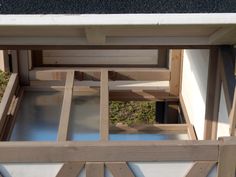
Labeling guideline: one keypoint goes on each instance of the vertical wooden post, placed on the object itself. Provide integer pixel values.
(94, 169)
(104, 106)
(227, 158)
(66, 107)
(213, 95)
(4, 61)
(24, 66)
(175, 66)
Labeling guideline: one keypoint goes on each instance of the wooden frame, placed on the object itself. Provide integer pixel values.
(115, 155)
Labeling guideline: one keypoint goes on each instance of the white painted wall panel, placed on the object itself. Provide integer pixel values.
(147, 57)
(223, 118)
(194, 86)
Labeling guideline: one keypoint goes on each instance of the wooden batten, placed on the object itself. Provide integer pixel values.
(227, 157)
(175, 66)
(213, 95)
(94, 169)
(201, 169)
(7, 98)
(72, 169)
(61, 152)
(119, 169)
(66, 107)
(104, 106)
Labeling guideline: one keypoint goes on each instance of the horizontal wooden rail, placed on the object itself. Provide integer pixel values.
(7, 98)
(154, 128)
(53, 152)
(140, 74)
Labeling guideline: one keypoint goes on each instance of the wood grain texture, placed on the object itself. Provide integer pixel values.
(200, 169)
(66, 107)
(108, 151)
(175, 66)
(213, 95)
(227, 158)
(119, 169)
(104, 106)
(71, 169)
(7, 98)
(94, 169)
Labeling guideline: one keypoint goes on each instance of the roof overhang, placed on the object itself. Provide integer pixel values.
(119, 29)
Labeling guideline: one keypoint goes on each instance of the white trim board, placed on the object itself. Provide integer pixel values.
(119, 19)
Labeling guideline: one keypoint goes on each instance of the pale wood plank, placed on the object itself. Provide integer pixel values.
(94, 169)
(175, 66)
(120, 169)
(71, 169)
(232, 116)
(66, 107)
(7, 98)
(200, 169)
(139, 74)
(104, 106)
(213, 95)
(4, 61)
(227, 158)
(108, 151)
(12, 113)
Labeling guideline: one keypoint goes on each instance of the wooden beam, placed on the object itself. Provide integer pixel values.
(100, 47)
(66, 107)
(227, 158)
(213, 94)
(139, 74)
(119, 169)
(104, 106)
(175, 66)
(201, 169)
(59, 152)
(221, 36)
(72, 169)
(95, 36)
(232, 117)
(7, 98)
(94, 169)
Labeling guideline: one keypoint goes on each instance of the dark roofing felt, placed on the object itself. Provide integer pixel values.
(115, 6)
